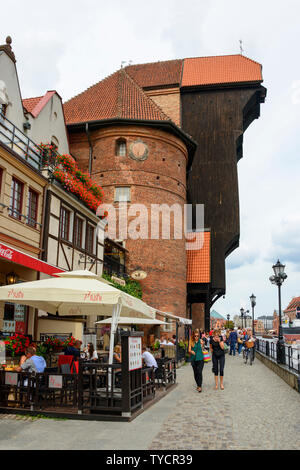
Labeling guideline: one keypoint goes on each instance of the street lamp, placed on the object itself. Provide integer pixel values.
(253, 303)
(278, 279)
(244, 315)
(228, 318)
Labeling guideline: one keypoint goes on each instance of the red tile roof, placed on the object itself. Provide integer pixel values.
(294, 303)
(35, 105)
(220, 70)
(198, 259)
(121, 95)
(167, 73)
(117, 96)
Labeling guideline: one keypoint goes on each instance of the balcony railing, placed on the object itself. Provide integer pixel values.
(17, 141)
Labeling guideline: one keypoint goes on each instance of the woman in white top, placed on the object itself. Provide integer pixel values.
(91, 353)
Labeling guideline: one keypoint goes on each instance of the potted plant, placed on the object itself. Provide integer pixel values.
(15, 345)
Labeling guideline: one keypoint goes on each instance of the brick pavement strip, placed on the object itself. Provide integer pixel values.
(257, 410)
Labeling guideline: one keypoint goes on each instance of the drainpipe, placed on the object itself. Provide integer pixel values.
(91, 148)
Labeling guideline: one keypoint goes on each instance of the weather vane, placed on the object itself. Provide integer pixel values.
(241, 46)
(129, 62)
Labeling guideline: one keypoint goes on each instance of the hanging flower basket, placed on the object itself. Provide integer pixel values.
(72, 178)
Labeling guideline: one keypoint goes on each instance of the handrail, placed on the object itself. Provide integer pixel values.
(13, 137)
(292, 354)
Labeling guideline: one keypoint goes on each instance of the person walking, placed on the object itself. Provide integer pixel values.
(197, 359)
(240, 341)
(232, 341)
(218, 357)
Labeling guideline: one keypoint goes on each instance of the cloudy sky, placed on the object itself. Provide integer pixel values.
(70, 45)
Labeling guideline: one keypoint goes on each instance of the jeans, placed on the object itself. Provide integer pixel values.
(218, 365)
(232, 349)
(240, 347)
(198, 368)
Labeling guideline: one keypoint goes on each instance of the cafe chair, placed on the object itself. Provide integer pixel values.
(51, 370)
(65, 369)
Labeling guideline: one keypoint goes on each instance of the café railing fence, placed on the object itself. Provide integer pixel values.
(99, 388)
(38, 391)
(292, 353)
(165, 375)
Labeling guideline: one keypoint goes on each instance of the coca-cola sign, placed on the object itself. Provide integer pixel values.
(29, 261)
(6, 252)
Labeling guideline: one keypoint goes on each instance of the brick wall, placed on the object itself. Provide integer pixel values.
(161, 179)
(169, 101)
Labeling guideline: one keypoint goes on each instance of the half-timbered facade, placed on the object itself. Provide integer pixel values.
(73, 236)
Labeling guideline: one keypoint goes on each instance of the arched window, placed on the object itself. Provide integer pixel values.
(54, 141)
(121, 148)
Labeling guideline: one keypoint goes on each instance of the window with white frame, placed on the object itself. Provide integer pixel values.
(16, 199)
(122, 194)
(65, 218)
(32, 208)
(90, 239)
(169, 325)
(121, 148)
(78, 232)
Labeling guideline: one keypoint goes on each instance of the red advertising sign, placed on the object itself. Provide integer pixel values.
(20, 327)
(18, 257)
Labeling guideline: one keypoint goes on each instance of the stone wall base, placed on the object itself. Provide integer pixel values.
(291, 378)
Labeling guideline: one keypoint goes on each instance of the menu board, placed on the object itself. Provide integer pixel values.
(11, 378)
(55, 381)
(135, 353)
(20, 312)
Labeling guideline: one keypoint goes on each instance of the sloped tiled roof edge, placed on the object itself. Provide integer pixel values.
(160, 74)
(35, 105)
(117, 95)
(216, 71)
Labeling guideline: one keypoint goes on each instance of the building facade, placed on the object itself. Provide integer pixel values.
(22, 191)
(207, 103)
(44, 227)
(140, 158)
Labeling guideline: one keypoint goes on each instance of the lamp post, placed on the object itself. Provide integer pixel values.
(228, 318)
(253, 303)
(242, 317)
(278, 279)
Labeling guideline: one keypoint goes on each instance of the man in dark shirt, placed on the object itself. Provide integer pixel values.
(74, 350)
(232, 342)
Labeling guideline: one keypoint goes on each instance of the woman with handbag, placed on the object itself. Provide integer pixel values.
(218, 358)
(240, 341)
(197, 359)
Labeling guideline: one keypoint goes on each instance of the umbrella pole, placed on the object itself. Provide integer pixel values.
(114, 325)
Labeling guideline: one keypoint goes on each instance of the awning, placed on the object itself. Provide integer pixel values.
(132, 321)
(15, 256)
(175, 318)
(78, 293)
(75, 293)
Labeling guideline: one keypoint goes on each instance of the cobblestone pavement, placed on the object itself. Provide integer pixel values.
(257, 410)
